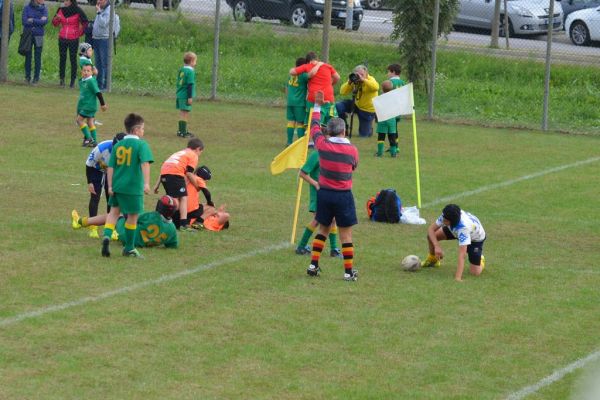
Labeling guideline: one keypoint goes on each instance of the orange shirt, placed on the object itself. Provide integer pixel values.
(193, 194)
(212, 223)
(178, 163)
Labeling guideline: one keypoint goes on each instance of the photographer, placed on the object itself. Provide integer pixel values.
(364, 89)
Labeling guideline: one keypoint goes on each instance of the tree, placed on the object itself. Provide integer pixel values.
(413, 25)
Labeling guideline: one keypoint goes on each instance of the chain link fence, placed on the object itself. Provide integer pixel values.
(575, 38)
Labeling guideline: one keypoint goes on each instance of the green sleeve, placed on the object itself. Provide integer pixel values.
(145, 153)
(311, 163)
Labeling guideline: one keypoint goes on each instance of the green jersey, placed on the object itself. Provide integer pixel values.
(88, 103)
(152, 230)
(311, 168)
(186, 77)
(296, 90)
(397, 82)
(126, 159)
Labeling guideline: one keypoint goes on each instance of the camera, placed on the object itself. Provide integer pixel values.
(354, 78)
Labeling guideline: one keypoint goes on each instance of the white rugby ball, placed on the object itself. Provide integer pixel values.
(411, 263)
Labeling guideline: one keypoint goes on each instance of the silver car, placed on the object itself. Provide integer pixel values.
(525, 17)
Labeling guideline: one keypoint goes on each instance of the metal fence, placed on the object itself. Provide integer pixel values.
(576, 23)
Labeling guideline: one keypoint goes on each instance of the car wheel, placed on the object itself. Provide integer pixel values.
(501, 30)
(240, 11)
(579, 34)
(299, 16)
(374, 4)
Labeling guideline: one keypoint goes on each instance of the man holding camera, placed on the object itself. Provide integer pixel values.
(364, 88)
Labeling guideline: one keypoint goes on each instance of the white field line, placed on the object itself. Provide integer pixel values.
(509, 182)
(165, 278)
(554, 377)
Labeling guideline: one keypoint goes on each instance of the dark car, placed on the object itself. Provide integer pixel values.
(569, 6)
(299, 13)
(376, 5)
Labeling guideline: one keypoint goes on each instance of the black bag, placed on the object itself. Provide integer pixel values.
(386, 206)
(25, 42)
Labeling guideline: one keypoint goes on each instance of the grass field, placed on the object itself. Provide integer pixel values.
(232, 315)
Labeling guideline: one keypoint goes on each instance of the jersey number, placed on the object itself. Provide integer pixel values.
(152, 234)
(124, 155)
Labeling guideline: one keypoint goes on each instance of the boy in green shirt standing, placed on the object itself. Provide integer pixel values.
(388, 127)
(296, 89)
(87, 106)
(186, 91)
(128, 176)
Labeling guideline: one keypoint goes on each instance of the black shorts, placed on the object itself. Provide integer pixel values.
(97, 178)
(336, 204)
(174, 185)
(474, 250)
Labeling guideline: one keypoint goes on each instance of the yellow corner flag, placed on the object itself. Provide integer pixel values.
(293, 156)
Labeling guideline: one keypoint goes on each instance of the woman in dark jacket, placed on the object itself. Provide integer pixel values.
(73, 22)
(35, 17)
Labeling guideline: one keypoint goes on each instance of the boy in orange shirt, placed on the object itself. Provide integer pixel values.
(173, 174)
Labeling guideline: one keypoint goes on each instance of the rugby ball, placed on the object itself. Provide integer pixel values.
(411, 263)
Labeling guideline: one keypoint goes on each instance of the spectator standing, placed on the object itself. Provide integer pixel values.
(35, 17)
(100, 35)
(73, 22)
(364, 88)
(11, 20)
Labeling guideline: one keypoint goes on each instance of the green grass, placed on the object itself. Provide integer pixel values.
(258, 327)
(254, 60)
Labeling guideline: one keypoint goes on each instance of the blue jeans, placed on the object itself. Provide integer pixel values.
(37, 53)
(365, 119)
(101, 53)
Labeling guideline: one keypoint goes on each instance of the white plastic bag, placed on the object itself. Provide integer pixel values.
(410, 215)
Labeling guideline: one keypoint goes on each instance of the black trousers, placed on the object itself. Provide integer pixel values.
(72, 46)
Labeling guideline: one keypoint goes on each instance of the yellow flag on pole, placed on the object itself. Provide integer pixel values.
(293, 156)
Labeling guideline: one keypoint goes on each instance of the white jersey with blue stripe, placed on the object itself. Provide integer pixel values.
(468, 230)
(100, 155)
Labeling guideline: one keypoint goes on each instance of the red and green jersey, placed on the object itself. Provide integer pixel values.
(152, 230)
(88, 102)
(296, 90)
(185, 77)
(126, 159)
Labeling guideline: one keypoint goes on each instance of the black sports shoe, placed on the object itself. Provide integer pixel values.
(313, 271)
(105, 249)
(336, 253)
(351, 277)
(301, 251)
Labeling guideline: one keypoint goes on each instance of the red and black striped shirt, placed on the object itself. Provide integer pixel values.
(337, 157)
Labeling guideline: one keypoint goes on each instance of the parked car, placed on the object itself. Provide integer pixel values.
(569, 6)
(376, 5)
(300, 13)
(583, 26)
(173, 4)
(525, 17)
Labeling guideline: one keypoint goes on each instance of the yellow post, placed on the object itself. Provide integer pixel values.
(416, 147)
(296, 210)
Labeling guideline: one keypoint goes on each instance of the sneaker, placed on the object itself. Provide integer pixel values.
(336, 253)
(351, 277)
(105, 247)
(92, 143)
(378, 154)
(179, 134)
(197, 226)
(313, 270)
(75, 220)
(94, 232)
(86, 142)
(394, 155)
(114, 236)
(134, 253)
(302, 251)
(482, 263)
(187, 228)
(62, 83)
(96, 122)
(428, 263)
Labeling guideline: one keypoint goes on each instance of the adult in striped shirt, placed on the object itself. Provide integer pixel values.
(338, 158)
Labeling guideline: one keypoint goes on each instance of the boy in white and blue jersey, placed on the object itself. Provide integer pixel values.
(463, 226)
(95, 171)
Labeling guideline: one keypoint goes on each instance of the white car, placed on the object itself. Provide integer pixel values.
(583, 26)
(524, 16)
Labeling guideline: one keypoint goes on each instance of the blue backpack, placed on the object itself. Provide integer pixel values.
(385, 206)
